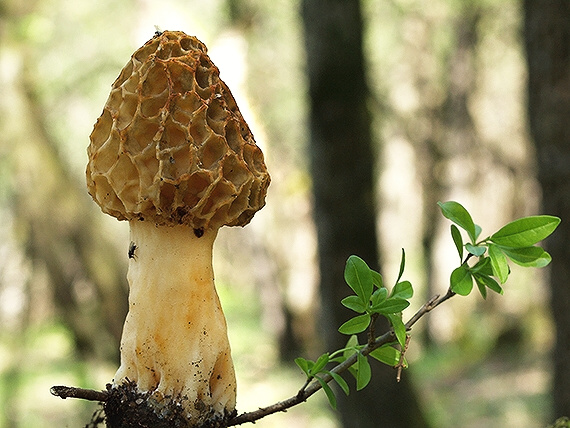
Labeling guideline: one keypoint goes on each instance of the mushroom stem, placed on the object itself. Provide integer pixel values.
(174, 342)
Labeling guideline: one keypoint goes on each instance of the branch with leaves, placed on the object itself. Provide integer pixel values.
(484, 262)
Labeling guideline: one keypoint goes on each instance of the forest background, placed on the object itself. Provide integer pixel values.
(447, 97)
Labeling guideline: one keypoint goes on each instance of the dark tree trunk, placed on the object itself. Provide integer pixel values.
(452, 133)
(342, 164)
(547, 37)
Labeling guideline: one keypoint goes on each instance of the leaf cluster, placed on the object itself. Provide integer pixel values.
(372, 297)
(361, 370)
(370, 300)
(484, 262)
(516, 241)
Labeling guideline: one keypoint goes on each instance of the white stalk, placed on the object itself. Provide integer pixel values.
(174, 339)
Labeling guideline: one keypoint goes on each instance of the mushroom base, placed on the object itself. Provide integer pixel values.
(174, 347)
(127, 407)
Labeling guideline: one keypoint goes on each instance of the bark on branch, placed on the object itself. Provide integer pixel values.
(73, 392)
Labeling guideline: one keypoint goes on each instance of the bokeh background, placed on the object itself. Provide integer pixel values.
(447, 98)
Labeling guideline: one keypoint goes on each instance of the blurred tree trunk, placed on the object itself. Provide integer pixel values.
(451, 134)
(547, 38)
(342, 164)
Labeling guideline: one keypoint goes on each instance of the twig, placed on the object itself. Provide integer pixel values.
(430, 305)
(401, 363)
(314, 386)
(73, 392)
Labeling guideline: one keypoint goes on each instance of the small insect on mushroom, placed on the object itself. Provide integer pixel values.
(132, 249)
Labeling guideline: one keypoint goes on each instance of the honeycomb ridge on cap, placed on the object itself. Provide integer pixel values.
(171, 145)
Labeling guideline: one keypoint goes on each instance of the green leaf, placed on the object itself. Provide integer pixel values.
(483, 266)
(488, 282)
(457, 240)
(461, 281)
(320, 364)
(476, 250)
(355, 325)
(455, 212)
(386, 354)
(528, 256)
(363, 372)
(328, 391)
(354, 303)
(340, 381)
(350, 349)
(390, 306)
(477, 232)
(403, 290)
(525, 231)
(399, 328)
(358, 276)
(376, 278)
(379, 296)
(499, 263)
(481, 287)
(303, 365)
(351, 343)
(402, 265)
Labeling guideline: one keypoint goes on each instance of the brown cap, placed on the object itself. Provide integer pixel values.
(171, 146)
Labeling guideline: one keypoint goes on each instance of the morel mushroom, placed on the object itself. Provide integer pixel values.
(172, 154)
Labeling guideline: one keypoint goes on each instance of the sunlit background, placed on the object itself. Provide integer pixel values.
(63, 262)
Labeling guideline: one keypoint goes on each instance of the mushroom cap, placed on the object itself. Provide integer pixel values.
(171, 145)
